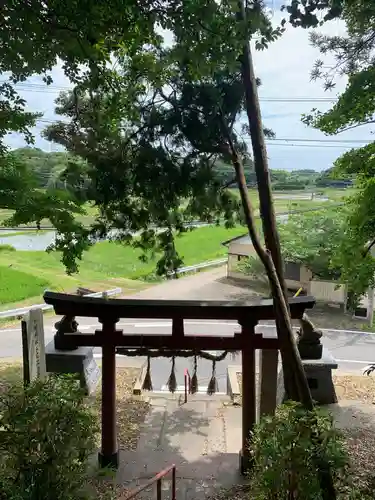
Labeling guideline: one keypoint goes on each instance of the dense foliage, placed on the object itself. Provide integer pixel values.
(47, 168)
(320, 240)
(51, 169)
(46, 438)
(283, 447)
(354, 55)
(148, 133)
(312, 239)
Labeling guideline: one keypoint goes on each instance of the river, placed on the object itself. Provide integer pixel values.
(39, 241)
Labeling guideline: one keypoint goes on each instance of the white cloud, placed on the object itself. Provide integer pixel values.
(285, 73)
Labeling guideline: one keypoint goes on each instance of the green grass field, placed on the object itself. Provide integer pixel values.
(17, 285)
(281, 205)
(108, 265)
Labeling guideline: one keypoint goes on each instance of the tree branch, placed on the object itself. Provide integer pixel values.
(355, 126)
(368, 248)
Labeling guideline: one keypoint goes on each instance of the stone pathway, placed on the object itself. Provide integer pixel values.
(202, 438)
(207, 285)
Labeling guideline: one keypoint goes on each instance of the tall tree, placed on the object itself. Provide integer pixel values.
(82, 36)
(152, 145)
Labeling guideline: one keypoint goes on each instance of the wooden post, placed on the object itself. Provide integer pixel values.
(108, 456)
(178, 328)
(268, 381)
(248, 393)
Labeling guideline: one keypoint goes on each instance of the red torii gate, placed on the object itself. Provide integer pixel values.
(109, 311)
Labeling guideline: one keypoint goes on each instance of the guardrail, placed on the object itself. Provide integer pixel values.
(15, 313)
(196, 267)
(156, 479)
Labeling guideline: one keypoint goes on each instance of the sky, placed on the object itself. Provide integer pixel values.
(284, 70)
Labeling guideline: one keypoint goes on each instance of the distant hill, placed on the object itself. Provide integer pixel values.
(49, 166)
(46, 166)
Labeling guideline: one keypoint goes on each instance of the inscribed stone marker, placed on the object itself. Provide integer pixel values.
(34, 356)
(91, 374)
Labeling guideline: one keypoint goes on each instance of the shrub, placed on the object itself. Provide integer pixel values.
(7, 248)
(252, 266)
(283, 448)
(47, 434)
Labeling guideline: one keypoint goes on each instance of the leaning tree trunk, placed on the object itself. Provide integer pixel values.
(296, 383)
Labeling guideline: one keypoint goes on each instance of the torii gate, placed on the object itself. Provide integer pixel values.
(109, 311)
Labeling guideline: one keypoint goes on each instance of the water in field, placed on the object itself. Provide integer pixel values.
(25, 241)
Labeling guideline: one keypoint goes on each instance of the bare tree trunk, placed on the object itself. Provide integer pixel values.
(288, 347)
(295, 382)
(294, 375)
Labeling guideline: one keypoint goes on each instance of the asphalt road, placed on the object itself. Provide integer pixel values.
(352, 350)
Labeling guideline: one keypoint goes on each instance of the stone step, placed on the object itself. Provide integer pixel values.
(192, 483)
(232, 416)
(193, 436)
(152, 428)
(216, 439)
(180, 396)
(186, 430)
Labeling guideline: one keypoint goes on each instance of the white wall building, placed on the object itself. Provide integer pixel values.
(296, 276)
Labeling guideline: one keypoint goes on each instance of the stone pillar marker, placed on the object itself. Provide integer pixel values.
(33, 349)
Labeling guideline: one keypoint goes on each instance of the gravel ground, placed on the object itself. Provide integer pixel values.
(131, 412)
(348, 386)
(355, 387)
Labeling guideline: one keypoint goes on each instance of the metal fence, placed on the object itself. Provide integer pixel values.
(15, 313)
(202, 265)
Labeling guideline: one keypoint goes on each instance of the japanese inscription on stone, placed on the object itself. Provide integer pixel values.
(34, 357)
(92, 374)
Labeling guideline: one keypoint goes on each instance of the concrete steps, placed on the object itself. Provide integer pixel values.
(195, 437)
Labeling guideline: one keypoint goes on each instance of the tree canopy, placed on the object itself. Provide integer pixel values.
(312, 239)
(79, 35)
(51, 168)
(142, 119)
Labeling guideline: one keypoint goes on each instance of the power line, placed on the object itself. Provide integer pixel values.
(38, 87)
(270, 141)
(308, 145)
(350, 141)
(287, 142)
